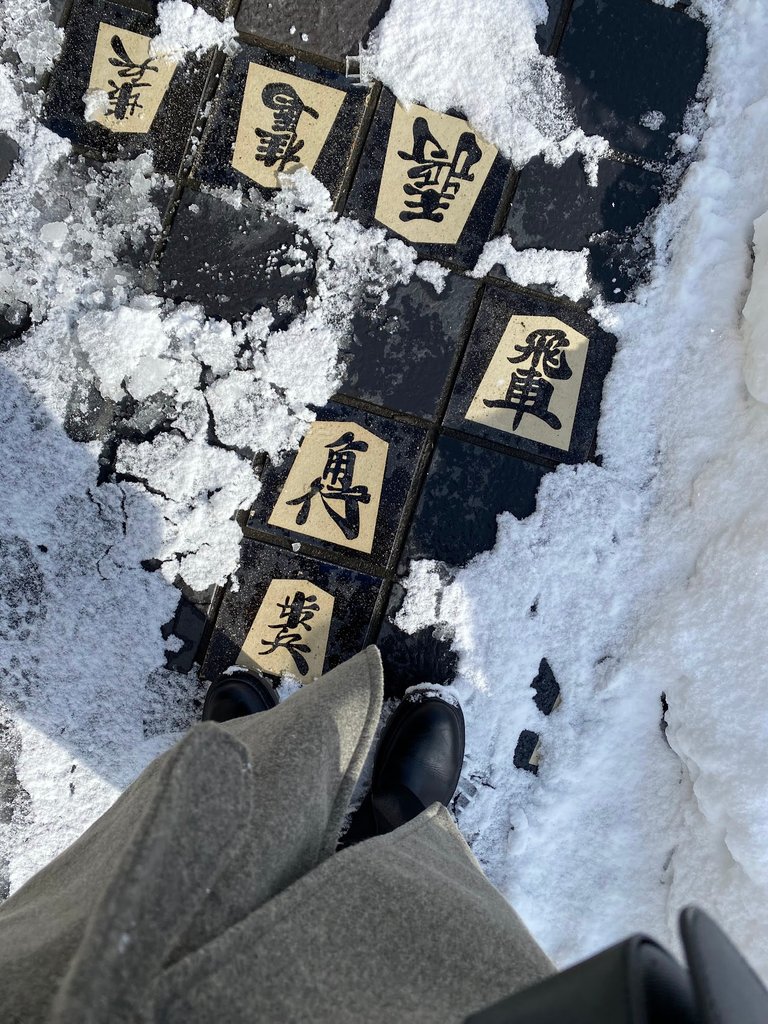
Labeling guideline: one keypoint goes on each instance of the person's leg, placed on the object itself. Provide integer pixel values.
(218, 825)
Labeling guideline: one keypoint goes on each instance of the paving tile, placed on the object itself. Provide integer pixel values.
(331, 28)
(401, 354)
(625, 62)
(532, 376)
(15, 319)
(557, 208)
(290, 613)
(412, 658)
(149, 104)
(345, 491)
(466, 488)
(430, 179)
(274, 114)
(545, 30)
(234, 259)
(9, 154)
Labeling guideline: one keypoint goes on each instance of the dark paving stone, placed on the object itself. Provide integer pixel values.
(622, 61)
(466, 488)
(556, 208)
(157, 104)
(273, 114)
(230, 260)
(550, 357)
(393, 472)
(15, 319)
(333, 28)
(354, 596)
(9, 154)
(401, 355)
(412, 658)
(526, 754)
(189, 625)
(546, 688)
(428, 215)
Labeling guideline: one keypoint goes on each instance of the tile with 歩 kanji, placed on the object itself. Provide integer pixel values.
(330, 28)
(631, 70)
(135, 102)
(557, 208)
(466, 488)
(425, 656)
(274, 114)
(290, 613)
(234, 258)
(430, 179)
(402, 354)
(532, 376)
(344, 492)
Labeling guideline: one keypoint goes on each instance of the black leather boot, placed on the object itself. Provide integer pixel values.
(238, 693)
(419, 759)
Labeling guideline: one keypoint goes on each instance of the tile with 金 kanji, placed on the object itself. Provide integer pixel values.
(290, 613)
(344, 492)
(109, 93)
(274, 114)
(431, 179)
(532, 377)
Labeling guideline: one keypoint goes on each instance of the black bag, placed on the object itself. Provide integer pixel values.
(639, 982)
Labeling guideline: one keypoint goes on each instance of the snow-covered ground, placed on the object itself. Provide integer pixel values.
(647, 574)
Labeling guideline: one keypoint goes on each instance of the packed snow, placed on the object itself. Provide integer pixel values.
(641, 580)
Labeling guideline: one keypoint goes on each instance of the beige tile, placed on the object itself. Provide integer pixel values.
(434, 169)
(284, 123)
(532, 384)
(290, 630)
(134, 82)
(333, 489)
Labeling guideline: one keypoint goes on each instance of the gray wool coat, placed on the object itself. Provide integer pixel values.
(210, 891)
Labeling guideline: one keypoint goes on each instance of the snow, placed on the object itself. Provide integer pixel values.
(565, 271)
(84, 678)
(441, 54)
(641, 580)
(187, 30)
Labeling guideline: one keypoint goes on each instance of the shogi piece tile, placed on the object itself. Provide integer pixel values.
(331, 28)
(532, 377)
(346, 489)
(274, 114)
(631, 70)
(139, 102)
(235, 259)
(402, 354)
(290, 614)
(425, 656)
(557, 208)
(430, 179)
(466, 488)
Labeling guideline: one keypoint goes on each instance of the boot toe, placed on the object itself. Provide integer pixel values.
(238, 694)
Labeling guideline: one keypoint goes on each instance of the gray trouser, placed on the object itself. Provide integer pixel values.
(210, 891)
